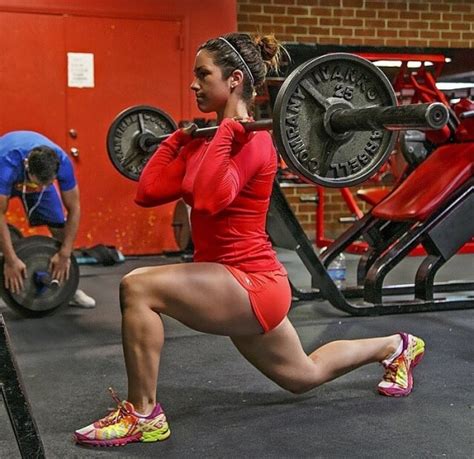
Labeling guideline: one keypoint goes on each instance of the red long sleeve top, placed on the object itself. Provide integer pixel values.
(227, 181)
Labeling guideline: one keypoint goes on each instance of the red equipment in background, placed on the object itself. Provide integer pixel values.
(411, 86)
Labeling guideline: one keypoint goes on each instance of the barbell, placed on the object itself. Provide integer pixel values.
(41, 294)
(334, 123)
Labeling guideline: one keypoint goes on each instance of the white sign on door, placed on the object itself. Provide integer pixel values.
(80, 70)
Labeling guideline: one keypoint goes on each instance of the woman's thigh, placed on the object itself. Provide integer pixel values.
(203, 296)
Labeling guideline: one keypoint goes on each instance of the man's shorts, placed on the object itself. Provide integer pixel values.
(48, 212)
(269, 293)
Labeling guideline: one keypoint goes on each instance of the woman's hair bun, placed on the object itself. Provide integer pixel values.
(270, 50)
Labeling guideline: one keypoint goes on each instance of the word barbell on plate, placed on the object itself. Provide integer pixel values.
(334, 122)
(41, 294)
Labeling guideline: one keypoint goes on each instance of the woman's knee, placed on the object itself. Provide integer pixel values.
(133, 289)
(296, 380)
(296, 387)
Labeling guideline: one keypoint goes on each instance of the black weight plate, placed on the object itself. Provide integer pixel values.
(299, 127)
(36, 253)
(15, 233)
(124, 133)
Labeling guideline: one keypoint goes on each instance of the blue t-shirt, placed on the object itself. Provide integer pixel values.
(14, 148)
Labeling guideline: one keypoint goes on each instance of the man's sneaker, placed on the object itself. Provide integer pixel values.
(124, 426)
(82, 300)
(398, 378)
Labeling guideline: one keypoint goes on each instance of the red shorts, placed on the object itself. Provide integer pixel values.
(269, 293)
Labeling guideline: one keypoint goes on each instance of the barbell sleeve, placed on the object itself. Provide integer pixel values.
(44, 279)
(415, 116)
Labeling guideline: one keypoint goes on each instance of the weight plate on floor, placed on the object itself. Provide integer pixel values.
(15, 233)
(36, 300)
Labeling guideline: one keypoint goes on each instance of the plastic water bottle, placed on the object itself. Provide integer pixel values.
(337, 270)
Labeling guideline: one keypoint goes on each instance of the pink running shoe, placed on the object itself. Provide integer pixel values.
(398, 378)
(124, 426)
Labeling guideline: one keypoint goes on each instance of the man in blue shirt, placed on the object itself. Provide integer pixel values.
(29, 164)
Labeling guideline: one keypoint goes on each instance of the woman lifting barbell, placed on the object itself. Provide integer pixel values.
(236, 286)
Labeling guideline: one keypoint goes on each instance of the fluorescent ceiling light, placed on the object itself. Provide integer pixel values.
(388, 63)
(417, 64)
(445, 86)
(411, 64)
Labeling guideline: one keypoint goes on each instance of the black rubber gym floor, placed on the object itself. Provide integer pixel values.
(219, 406)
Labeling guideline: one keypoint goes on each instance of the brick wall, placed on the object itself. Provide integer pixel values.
(441, 23)
(394, 23)
(334, 207)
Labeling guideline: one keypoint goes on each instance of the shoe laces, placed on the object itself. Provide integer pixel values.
(117, 414)
(390, 372)
(392, 368)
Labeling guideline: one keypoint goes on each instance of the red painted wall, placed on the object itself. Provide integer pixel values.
(143, 54)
